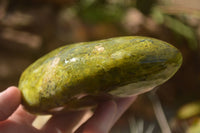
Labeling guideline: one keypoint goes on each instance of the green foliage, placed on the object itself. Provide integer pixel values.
(182, 29)
(178, 26)
(189, 110)
(145, 6)
(195, 127)
(94, 11)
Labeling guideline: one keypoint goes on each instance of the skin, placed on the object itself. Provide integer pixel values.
(14, 118)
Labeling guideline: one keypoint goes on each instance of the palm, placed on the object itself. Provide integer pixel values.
(21, 121)
(13, 118)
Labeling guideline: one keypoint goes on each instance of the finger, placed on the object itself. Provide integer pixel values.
(22, 116)
(101, 121)
(122, 105)
(64, 122)
(9, 126)
(9, 101)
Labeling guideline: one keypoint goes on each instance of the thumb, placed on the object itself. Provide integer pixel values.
(9, 101)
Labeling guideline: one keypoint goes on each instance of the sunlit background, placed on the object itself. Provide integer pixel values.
(31, 28)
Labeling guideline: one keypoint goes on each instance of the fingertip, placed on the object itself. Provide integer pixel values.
(125, 100)
(122, 105)
(13, 95)
(102, 120)
(10, 99)
(15, 90)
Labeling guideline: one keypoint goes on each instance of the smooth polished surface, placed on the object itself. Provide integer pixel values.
(121, 66)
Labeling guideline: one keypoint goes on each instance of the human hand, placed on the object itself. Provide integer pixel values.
(13, 118)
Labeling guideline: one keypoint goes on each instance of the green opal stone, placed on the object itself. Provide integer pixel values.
(121, 66)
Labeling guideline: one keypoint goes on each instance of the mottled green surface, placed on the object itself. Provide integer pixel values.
(120, 66)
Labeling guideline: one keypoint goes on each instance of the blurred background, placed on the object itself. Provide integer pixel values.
(32, 28)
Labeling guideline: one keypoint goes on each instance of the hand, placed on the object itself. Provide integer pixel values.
(13, 118)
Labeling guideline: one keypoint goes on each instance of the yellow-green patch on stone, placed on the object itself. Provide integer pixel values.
(121, 66)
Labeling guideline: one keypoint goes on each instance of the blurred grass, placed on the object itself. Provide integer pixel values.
(178, 26)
